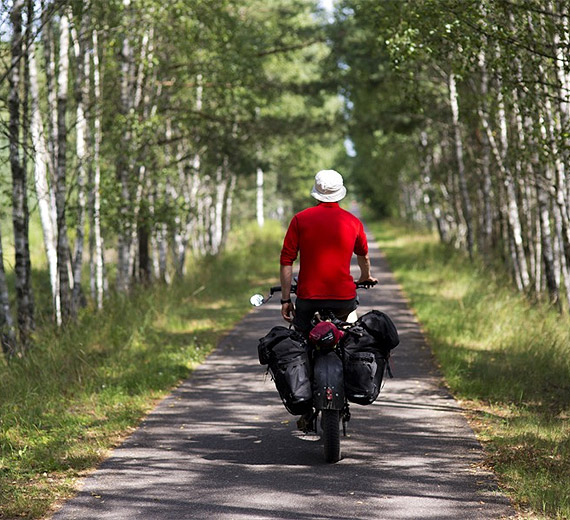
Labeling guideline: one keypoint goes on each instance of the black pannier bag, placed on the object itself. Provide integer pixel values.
(285, 351)
(366, 348)
(364, 366)
(382, 329)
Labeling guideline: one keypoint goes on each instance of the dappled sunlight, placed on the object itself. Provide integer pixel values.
(507, 359)
(223, 446)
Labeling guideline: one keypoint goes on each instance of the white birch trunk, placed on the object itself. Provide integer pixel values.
(231, 184)
(218, 209)
(462, 180)
(259, 198)
(561, 46)
(192, 222)
(552, 130)
(20, 215)
(513, 210)
(560, 245)
(7, 332)
(538, 274)
(152, 195)
(63, 256)
(81, 138)
(49, 57)
(42, 186)
(163, 253)
(96, 188)
(181, 221)
(429, 199)
(487, 227)
(124, 170)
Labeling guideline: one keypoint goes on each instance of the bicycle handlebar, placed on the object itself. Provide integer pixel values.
(361, 285)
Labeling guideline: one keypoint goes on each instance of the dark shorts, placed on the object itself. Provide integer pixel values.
(305, 310)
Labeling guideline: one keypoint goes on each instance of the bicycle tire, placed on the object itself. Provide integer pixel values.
(331, 434)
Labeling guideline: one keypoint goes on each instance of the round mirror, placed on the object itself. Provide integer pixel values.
(256, 300)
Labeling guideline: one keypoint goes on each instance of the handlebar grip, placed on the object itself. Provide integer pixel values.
(365, 285)
(277, 288)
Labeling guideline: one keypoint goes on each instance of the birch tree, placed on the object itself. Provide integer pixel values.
(44, 190)
(509, 122)
(63, 250)
(96, 239)
(20, 216)
(7, 333)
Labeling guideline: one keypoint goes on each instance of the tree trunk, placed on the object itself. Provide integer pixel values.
(464, 192)
(513, 210)
(259, 198)
(49, 57)
(7, 334)
(81, 138)
(547, 245)
(145, 265)
(487, 227)
(426, 165)
(511, 200)
(20, 217)
(230, 188)
(43, 188)
(63, 251)
(218, 210)
(96, 187)
(123, 167)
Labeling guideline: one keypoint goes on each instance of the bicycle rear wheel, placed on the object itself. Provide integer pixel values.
(331, 434)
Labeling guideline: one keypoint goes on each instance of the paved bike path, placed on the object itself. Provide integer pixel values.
(222, 446)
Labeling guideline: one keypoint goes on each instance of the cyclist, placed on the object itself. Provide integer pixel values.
(325, 237)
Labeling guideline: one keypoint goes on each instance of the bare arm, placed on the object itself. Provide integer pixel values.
(286, 275)
(364, 264)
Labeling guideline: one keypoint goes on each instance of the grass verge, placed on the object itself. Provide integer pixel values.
(506, 360)
(78, 393)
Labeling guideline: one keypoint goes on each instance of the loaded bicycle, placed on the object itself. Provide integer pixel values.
(337, 363)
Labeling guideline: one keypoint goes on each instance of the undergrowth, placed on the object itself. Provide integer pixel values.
(507, 359)
(80, 391)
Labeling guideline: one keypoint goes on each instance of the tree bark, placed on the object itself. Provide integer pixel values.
(487, 227)
(428, 190)
(96, 187)
(44, 191)
(464, 192)
(547, 244)
(49, 57)
(259, 198)
(123, 167)
(228, 205)
(7, 333)
(218, 209)
(63, 251)
(82, 139)
(521, 268)
(20, 217)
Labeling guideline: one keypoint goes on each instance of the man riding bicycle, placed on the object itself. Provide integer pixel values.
(325, 237)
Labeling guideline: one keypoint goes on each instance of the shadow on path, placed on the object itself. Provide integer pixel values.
(223, 447)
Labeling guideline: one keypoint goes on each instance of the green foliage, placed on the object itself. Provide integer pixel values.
(505, 359)
(383, 107)
(80, 391)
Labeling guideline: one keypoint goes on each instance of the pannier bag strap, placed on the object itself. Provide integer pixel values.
(389, 368)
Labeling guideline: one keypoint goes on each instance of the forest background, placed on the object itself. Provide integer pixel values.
(140, 138)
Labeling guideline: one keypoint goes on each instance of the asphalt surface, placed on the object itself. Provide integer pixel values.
(222, 446)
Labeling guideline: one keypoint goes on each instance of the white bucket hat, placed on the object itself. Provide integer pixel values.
(328, 186)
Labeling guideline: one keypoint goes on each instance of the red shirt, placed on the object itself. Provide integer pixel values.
(326, 236)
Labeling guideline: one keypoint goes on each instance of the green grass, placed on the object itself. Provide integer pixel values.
(80, 392)
(507, 360)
